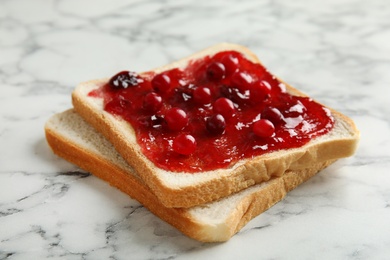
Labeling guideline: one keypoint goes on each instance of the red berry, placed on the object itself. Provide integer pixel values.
(176, 119)
(216, 124)
(202, 95)
(215, 71)
(263, 128)
(241, 80)
(184, 144)
(273, 114)
(224, 106)
(124, 79)
(231, 64)
(260, 91)
(161, 83)
(152, 102)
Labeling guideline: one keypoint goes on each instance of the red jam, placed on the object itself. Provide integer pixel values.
(212, 113)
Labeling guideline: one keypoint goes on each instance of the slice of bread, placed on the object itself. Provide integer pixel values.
(76, 141)
(186, 190)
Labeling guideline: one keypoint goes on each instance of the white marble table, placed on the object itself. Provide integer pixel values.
(336, 51)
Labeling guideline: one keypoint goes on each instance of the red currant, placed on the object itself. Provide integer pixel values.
(152, 102)
(215, 71)
(202, 95)
(161, 83)
(224, 106)
(176, 119)
(184, 144)
(216, 124)
(263, 128)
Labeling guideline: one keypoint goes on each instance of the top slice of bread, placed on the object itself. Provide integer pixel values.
(179, 189)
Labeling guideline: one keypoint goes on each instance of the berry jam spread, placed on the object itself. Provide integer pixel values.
(212, 113)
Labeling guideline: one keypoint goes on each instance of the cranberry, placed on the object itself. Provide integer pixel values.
(161, 83)
(216, 124)
(124, 79)
(235, 95)
(273, 114)
(202, 95)
(263, 128)
(176, 119)
(181, 95)
(215, 71)
(260, 91)
(241, 80)
(224, 106)
(157, 121)
(184, 144)
(231, 64)
(152, 102)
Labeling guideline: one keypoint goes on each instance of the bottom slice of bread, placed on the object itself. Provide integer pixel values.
(72, 138)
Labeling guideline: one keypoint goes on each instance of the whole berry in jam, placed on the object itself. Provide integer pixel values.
(161, 83)
(184, 144)
(234, 95)
(260, 91)
(263, 128)
(180, 95)
(152, 102)
(216, 124)
(241, 80)
(224, 106)
(215, 71)
(202, 95)
(273, 114)
(231, 63)
(124, 79)
(176, 119)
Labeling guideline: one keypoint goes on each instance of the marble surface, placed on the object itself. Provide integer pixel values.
(336, 51)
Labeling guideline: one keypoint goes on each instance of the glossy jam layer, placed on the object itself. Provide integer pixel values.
(208, 116)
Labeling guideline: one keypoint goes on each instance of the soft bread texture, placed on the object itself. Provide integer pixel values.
(186, 190)
(76, 141)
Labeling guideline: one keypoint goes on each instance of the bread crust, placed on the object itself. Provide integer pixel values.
(187, 190)
(249, 204)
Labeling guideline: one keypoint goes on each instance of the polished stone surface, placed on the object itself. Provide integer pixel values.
(336, 51)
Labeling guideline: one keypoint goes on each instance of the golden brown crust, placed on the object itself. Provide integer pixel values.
(212, 185)
(249, 206)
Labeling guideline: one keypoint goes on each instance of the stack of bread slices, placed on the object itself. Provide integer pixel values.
(209, 206)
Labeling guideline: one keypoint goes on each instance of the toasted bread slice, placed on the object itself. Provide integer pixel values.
(179, 189)
(76, 141)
